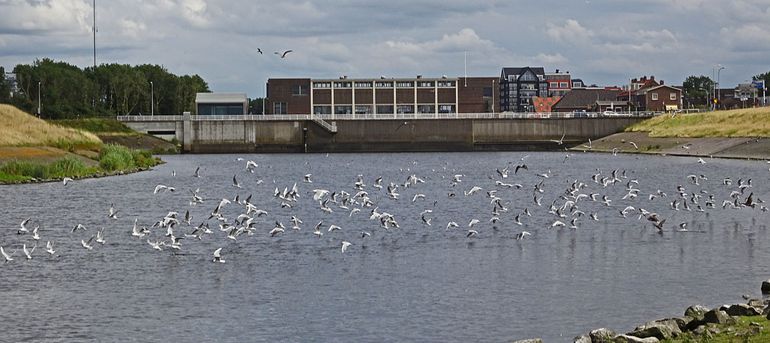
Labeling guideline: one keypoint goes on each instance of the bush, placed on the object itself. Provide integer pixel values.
(117, 157)
(24, 168)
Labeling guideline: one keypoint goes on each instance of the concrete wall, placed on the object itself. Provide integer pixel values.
(229, 136)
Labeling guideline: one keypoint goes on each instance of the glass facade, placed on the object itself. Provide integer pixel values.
(385, 109)
(220, 109)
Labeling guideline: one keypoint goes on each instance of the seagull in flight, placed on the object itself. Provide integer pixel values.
(218, 256)
(560, 141)
(7, 256)
(163, 188)
(259, 51)
(283, 54)
(49, 248)
(65, 180)
(345, 245)
(235, 182)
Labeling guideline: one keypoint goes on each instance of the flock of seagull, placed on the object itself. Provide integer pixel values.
(513, 193)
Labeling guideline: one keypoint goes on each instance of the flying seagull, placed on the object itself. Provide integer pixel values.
(283, 55)
(259, 51)
(218, 256)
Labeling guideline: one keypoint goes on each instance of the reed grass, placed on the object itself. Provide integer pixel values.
(18, 128)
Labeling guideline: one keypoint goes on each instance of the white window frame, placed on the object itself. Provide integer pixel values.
(654, 96)
(672, 96)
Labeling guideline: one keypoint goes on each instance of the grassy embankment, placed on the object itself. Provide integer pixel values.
(32, 149)
(742, 331)
(751, 122)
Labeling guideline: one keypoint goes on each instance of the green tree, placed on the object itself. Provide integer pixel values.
(255, 105)
(697, 90)
(5, 88)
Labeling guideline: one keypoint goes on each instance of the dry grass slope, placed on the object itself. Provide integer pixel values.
(18, 128)
(751, 122)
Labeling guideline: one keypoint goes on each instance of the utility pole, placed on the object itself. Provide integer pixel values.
(39, 103)
(152, 99)
(94, 29)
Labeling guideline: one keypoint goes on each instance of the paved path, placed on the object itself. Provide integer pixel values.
(745, 148)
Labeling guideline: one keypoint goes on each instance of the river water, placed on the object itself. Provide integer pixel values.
(412, 283)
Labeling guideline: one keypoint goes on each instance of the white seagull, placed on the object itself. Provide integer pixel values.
(218, 256)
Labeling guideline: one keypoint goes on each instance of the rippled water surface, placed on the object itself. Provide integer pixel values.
(413, 283)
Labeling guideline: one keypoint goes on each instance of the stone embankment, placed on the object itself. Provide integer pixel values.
(718, 147)
(698, 322)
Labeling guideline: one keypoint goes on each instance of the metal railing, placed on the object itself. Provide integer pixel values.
(398, 116)
(331, 127)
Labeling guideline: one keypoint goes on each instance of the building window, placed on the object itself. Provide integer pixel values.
(220, 109)
(279, 108)
(401, 109)
(528, 76)
(342, 84)
(577, 84)
(384, 84)
(487, 92)
(426, 109)
(322, 110)
(446, 108)
(564, 85)
(405, 84)
(654, 96)
(363, 109)
(425, 84)
(386, 109)
(322, 85)
(553, 85)
(343, 109)
(446, 83)
(299, 90)
(672, 96)
(363, 85)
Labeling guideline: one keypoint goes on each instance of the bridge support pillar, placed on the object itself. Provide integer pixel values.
(187, 132)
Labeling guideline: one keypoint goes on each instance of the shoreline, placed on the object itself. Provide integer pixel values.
(745, 148)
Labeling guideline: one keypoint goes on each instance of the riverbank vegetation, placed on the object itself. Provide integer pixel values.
(745, 329)
(32, 149)
(21, 129)
(750, 122)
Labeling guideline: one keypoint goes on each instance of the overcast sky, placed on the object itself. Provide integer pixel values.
(601, 41)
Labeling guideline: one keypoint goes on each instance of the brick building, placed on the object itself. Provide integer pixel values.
(428, 96)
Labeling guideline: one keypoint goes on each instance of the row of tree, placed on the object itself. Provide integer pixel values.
(66, 91)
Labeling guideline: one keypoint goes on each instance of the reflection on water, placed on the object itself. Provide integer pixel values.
(417, 282)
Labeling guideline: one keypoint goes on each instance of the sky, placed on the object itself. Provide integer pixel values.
(604, 42)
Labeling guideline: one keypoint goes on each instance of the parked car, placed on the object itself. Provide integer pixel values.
(610, 113)
(579, 114)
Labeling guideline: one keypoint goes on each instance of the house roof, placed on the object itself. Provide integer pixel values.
(645, 90)
(519, 70)
(209, 98)
(580, 98)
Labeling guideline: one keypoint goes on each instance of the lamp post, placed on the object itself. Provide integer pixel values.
(719, 96)
(152, 99)
(39, 103)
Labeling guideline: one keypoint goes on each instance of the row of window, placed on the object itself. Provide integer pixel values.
(558, 84)
(383, 84)
(383, 109)
(672, 96)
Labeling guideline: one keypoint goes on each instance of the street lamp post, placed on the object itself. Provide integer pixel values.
(39, 103)
(152, 99)
(719, 96)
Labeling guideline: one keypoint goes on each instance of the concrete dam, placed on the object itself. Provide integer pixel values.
(376, 133)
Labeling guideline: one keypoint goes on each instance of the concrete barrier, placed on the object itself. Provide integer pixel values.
(210, 135)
